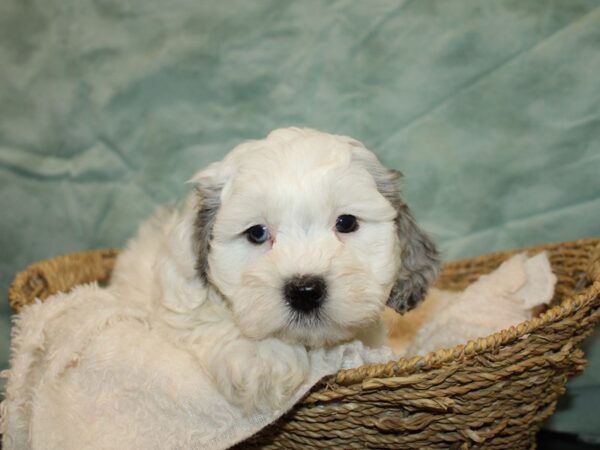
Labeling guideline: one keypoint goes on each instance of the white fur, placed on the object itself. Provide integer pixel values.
(296, 181)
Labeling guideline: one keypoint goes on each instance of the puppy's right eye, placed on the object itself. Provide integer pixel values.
(257, 234)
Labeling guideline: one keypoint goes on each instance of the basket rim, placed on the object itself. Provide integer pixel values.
(370, 376)
(22, 277)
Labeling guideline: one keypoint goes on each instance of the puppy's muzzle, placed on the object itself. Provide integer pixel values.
(305, 293)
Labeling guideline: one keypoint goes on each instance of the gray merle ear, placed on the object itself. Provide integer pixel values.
(209, 202)
(419, 257)
(211, 183)
(419, 263)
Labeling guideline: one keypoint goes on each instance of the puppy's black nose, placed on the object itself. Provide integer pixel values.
(305, 293)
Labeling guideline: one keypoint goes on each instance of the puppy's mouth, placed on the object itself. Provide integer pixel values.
(306, 319)
(314, 329)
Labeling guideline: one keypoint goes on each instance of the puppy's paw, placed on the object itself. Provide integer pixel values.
(259, 376)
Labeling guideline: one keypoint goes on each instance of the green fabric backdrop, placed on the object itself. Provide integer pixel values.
(491, 109)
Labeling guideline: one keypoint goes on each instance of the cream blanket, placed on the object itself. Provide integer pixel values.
(505, 297)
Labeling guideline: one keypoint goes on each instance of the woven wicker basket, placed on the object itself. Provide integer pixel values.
(491, 393)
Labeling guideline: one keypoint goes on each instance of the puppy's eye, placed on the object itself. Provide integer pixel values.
(346, 223)
(257, 234)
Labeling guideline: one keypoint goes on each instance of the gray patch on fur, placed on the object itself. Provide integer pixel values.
(419, 262)
(419, 257)
(209, 201)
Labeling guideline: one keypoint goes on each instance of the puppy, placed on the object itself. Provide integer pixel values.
(293, 242)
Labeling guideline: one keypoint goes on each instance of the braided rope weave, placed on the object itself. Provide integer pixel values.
(493, 393)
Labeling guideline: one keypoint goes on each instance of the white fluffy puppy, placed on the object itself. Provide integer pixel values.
(292, 242)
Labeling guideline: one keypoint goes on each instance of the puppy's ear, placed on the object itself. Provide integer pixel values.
(209, 187)
(209, 201)
(212, 185)
(419, 264)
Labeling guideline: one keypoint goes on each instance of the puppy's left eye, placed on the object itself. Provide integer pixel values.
(346, 223)
(257, 234)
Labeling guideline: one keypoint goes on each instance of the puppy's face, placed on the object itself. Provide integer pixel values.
(301, 234)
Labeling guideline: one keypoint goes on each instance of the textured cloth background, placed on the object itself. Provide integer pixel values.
(491, 109)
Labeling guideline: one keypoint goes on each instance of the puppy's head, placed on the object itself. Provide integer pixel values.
(306, 238)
